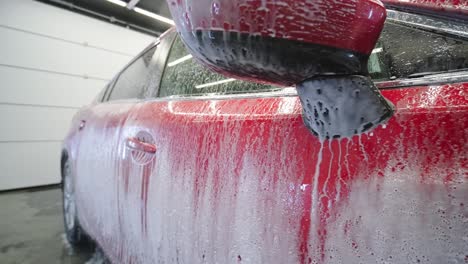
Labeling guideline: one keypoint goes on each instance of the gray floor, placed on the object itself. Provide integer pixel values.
(31, 229)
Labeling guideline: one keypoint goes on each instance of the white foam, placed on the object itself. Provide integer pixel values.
(399, 219)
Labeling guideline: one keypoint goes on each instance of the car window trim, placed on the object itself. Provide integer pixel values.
(110, 89)
(452, 28)
(436, 79)
(459, 77)
(166, 48)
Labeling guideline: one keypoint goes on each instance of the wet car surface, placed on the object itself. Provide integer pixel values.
(176, 164)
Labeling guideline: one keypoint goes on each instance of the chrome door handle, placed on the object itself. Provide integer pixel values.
(136, 144)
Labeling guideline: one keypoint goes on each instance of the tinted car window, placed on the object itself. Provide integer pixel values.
(136, 78)
(405, 51)
(184, 76)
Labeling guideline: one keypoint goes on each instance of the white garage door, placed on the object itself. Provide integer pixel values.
(52, 61)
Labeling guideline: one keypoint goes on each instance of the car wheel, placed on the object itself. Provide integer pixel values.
(74, 233)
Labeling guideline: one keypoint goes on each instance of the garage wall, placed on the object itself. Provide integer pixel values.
(52, 61)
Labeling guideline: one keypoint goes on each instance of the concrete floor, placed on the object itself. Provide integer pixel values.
(31, 229)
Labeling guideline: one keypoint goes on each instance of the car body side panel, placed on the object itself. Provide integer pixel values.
(243, 180)
(94, 169)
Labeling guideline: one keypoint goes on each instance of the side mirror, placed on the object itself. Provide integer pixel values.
(320, 46)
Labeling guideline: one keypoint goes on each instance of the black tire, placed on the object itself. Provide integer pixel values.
(76, 236)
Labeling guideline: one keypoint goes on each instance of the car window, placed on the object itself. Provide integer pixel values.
(134, 80)
(184, 76)
(406, 51)
(403, 51)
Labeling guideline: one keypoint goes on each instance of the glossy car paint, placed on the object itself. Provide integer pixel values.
(239, 179)
(280, 42)
(242, 180)
(349, 24)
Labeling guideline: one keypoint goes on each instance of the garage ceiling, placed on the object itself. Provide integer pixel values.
(121, 12)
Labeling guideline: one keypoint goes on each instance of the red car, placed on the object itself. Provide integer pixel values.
(174, 163)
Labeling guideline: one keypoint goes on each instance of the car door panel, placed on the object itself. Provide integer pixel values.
(96, 164)
(232, 175)
(241, 179)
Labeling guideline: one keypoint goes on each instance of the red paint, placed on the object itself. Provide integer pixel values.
(428, 133)
(225, 161)
(352, 25)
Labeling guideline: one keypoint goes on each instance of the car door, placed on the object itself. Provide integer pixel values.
(100, 149)
(223, 171)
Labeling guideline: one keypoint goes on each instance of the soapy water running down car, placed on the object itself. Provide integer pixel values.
(280, 132)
